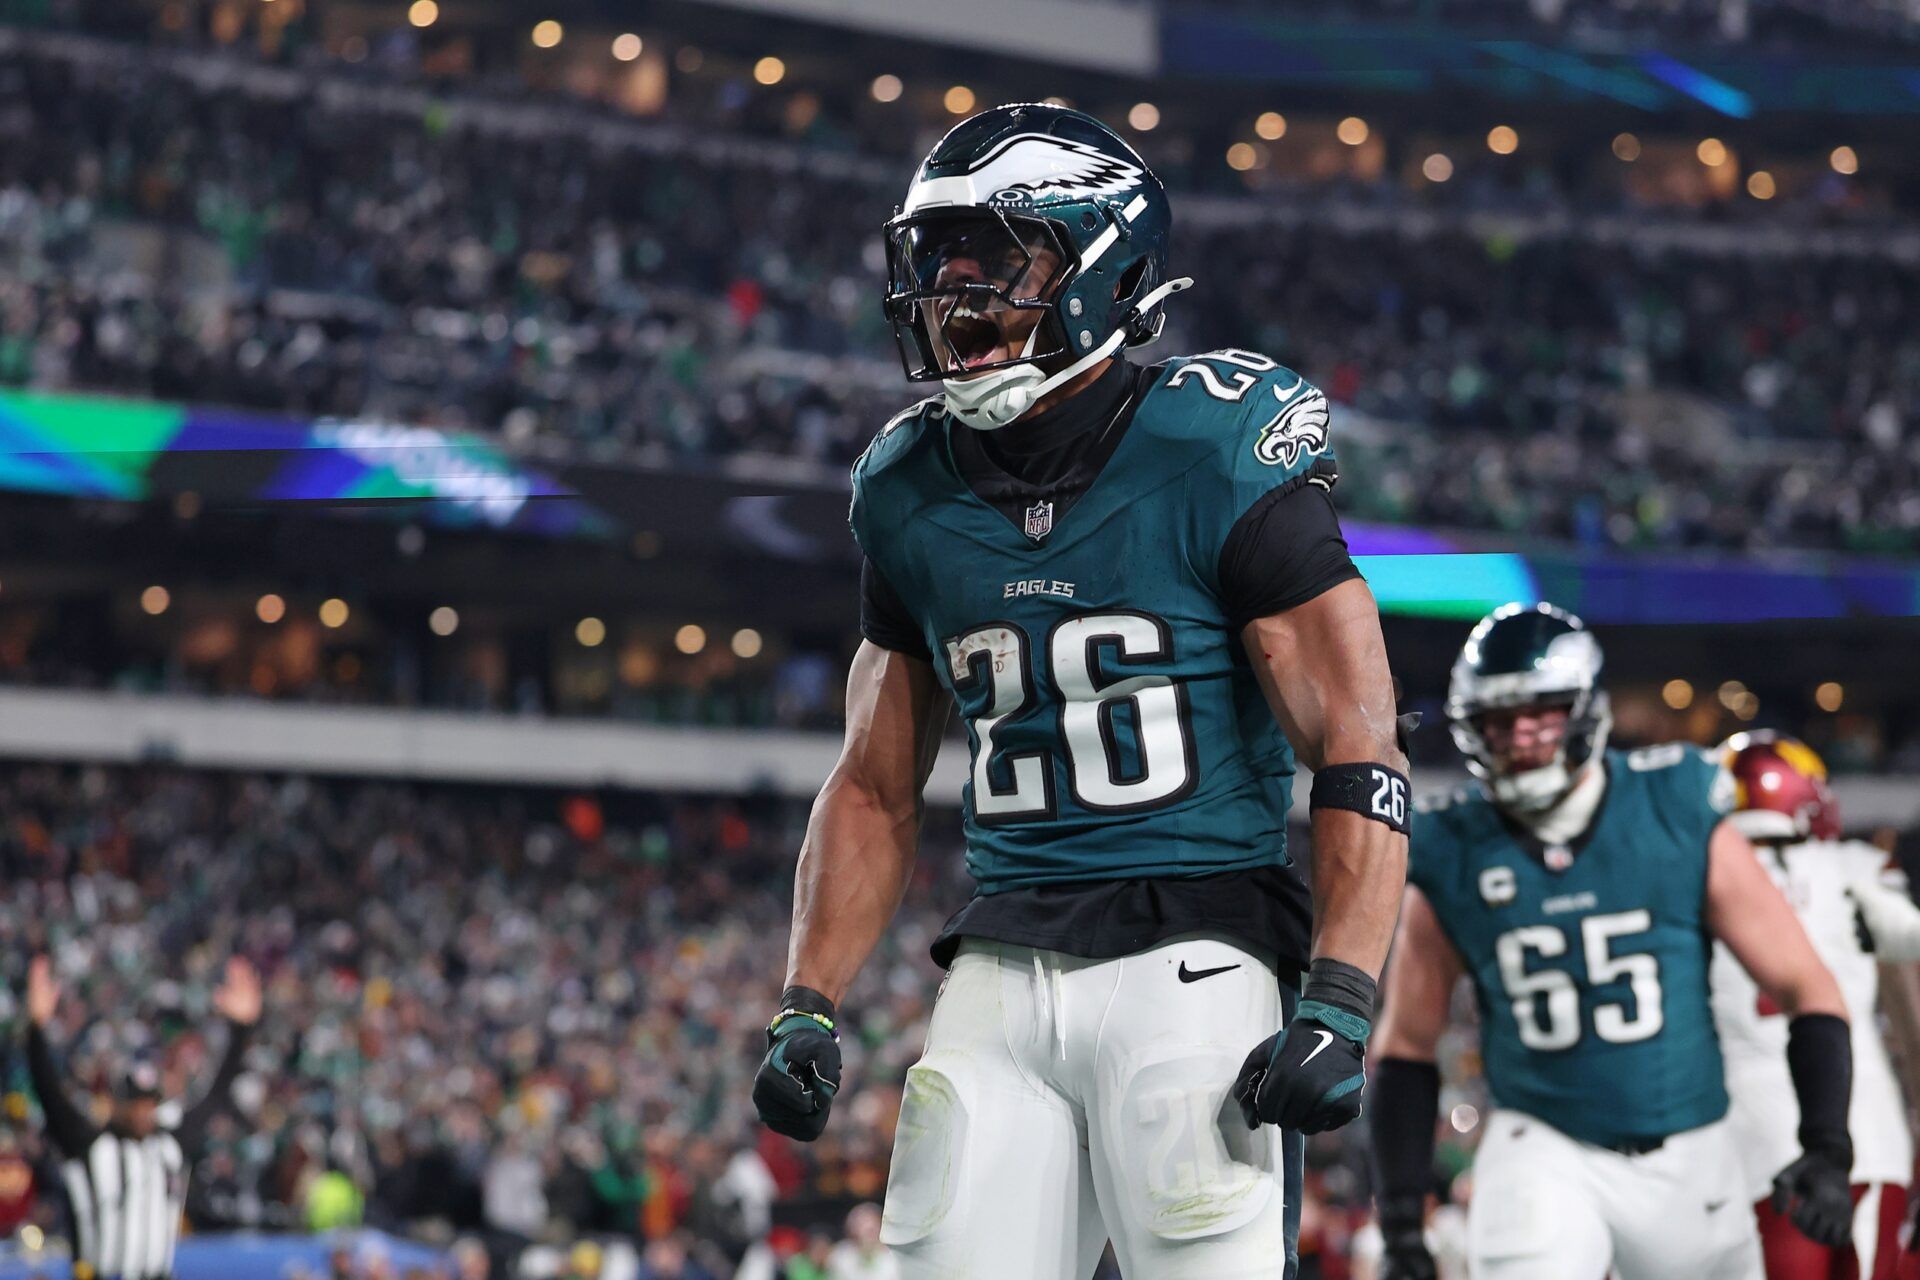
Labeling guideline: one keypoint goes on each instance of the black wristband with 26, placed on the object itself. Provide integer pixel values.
(1372, 790)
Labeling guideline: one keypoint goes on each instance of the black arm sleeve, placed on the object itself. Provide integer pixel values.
(71, 1131)
(1820, 1059)
(1406, 1097)
(1285, 550)
(884, 618)
(193, 1125)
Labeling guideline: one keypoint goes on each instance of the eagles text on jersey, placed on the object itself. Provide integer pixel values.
(1590, 960)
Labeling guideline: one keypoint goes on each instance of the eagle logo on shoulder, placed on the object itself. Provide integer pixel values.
(1298, 430)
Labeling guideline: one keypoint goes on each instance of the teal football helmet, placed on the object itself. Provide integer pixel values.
(1031, 245)
(1527, 656)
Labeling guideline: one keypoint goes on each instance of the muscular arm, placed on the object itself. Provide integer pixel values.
(1747, 912)
(1323, 667)
(1419, 985)
(860, 842)
(1406, 1083)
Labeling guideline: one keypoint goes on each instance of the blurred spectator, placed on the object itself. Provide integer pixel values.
(861, 1256)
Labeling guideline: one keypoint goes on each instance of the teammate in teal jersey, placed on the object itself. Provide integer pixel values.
(1581, 890)
(1131, 582)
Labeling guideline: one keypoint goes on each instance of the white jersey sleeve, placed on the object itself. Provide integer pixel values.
(1822, 880)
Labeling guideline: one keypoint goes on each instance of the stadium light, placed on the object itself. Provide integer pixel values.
(747, 643)
(1760, 185)
(155, 600)
(1353, 131)
(548, 34)
(1241, 157)
(1144, 117)
(1271, 126)
(590, 632)
(270, 608)
(1730, 694)
(1830, 695)
(959, 100)
(1626, 147)
(628, 46)
(444, 621)
(886, 88)
(769, 71)
(1502, 140)
(689, 59)
(1436, 168)
(690, 639)
(1677, 694)
(423, 13)
(1844, 160)
(334, 613)
(1712, 152)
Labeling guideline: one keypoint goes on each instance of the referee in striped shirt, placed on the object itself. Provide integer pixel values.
(127, 1181)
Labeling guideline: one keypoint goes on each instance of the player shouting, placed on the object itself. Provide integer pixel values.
(1131, 580)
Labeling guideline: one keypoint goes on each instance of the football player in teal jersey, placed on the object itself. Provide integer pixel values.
(1130, 580)
(1581, 890)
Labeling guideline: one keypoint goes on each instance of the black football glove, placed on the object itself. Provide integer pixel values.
(1403, 1233)
(794, 1088)
(1306, 1077)
(1408, 1260)
(1813, 1193)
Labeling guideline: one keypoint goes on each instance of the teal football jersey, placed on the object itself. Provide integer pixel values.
(1116, 727)
(1590, 963)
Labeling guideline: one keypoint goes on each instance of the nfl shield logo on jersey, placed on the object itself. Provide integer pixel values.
(1039, 520)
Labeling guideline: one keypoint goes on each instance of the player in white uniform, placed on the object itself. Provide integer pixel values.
(1849, 900)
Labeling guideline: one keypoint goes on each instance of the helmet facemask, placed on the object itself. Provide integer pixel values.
(1565, 674)
(972, 290)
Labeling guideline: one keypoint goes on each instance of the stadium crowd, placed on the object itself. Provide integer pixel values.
(558, 275)
(510, 1022)
(518, 1019)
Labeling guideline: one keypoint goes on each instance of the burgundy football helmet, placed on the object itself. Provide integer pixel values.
(1780, 789)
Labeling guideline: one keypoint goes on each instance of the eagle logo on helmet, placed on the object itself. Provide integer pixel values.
(1300, 428)
(1029, 168)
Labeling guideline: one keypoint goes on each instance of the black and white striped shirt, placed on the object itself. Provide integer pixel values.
(126, 1193)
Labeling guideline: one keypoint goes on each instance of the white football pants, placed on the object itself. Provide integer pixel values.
(1062, 1102)
(1548, 1207)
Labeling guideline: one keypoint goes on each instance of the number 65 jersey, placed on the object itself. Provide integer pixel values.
(1116, 727)
(1589, 961)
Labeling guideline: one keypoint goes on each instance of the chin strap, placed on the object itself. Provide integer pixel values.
(989, 401)
(1155, 298)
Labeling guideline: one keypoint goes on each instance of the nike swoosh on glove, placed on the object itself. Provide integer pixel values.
(1813, 1193)
(1309, 1075)
(794, 1088)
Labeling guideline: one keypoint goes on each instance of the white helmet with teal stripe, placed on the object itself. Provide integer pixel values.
(1528, 656)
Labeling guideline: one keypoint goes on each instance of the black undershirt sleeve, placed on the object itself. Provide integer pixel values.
(70, 1129)
(1406, 1096)
(884, 618)
(1285, 550)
